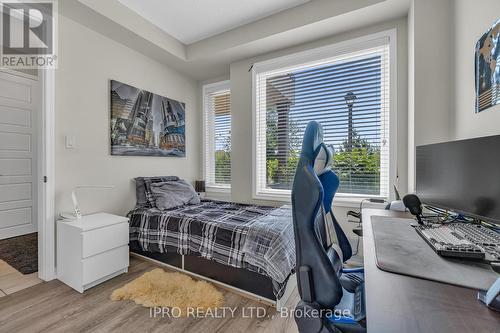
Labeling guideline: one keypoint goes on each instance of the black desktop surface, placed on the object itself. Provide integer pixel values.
(463, 176)
(401, 303)
(395, 238)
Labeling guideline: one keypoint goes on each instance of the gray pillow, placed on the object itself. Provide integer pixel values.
(172, 194)
(144, 197)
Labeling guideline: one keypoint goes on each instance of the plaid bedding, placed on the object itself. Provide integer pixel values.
(256, 238)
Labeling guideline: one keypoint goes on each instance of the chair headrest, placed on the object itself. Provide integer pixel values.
(323, 160)
(315, 150)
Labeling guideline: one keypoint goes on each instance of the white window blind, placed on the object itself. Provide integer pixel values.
(217, 128)
(349, 95)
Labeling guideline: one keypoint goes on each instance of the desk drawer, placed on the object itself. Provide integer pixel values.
(101, 265)
(103, 239)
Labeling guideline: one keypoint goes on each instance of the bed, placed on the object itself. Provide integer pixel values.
(244, 247)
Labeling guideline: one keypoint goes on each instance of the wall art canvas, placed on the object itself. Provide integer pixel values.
(488, 69)
(146, 124)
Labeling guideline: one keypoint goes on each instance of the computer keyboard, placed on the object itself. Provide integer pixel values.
(462, 240)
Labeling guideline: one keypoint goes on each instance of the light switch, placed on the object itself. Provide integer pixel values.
(70, 141)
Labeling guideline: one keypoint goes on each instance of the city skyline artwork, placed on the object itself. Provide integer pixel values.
(145, 124)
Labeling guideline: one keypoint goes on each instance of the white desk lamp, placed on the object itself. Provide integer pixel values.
(76, 208)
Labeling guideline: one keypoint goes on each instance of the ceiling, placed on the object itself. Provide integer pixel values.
(260, 29)
(190, 21)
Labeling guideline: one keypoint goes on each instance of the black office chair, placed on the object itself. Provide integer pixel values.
(331, 295)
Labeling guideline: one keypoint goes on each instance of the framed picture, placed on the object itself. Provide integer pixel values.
(488, 69)
(146, 124)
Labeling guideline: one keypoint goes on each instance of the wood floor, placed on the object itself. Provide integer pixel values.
(54, 307)
(12, 281)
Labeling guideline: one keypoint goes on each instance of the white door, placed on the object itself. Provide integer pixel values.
(18, 155)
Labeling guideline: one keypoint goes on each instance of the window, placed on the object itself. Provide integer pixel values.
(217, 141)
(347, 90)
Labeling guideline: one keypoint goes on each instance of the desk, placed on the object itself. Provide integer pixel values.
(400, 304)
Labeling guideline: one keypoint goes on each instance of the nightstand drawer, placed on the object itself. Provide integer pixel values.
(104, 264)
(103, 239)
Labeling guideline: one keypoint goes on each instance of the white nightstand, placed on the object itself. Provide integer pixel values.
(92, 250)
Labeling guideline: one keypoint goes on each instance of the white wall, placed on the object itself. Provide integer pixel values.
(430, 75)
(87, 61)
(433, 70)
(472, 20)
(411, 97)
(442, 36)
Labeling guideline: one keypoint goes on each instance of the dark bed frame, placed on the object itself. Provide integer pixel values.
(254, 283)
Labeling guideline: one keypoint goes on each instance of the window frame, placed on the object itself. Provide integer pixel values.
(206, 90)
(387, 37)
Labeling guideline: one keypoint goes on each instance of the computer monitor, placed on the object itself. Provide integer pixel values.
(463, 176)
